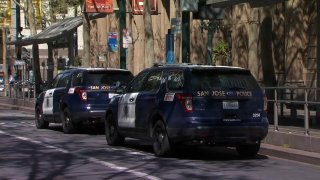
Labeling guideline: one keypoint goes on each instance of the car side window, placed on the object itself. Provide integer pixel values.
(152, 82)
(137, 83)
(64, 80)
(175, 81)
(77, 79)
(56, 80)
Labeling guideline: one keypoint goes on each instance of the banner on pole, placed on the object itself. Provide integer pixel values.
(99, 6)
(113, 41)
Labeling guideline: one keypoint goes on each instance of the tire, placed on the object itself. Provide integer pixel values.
(39, 119)
(248, 150)
(161, 145)
(111, 132)
(67, 124)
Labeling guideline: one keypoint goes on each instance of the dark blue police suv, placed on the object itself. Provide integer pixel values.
(78, 97)
(172, 105)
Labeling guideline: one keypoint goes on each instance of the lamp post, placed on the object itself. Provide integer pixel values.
(211, 26)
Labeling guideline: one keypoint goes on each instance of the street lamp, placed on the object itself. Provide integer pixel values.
(211, 26)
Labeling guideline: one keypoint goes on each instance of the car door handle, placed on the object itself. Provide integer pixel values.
(131, 99)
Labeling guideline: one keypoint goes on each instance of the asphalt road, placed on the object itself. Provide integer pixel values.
(29, 153)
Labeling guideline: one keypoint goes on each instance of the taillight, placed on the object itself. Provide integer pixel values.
(186, 101)
(82, 93)
(265, 103)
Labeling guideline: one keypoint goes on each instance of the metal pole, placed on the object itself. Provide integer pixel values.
(275, 113)
(5, 61)
(209, 44)
(306, 113)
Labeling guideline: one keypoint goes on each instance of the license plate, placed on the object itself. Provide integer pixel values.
(230, 105)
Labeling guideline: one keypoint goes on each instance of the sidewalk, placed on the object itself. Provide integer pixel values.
(288, 142)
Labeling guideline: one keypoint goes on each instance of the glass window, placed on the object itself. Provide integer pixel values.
(108, 78)
(64, 80)
(56, 80)
(137, 83)
(230, 80)
(77, 79)
(153, 82)
(175, 81)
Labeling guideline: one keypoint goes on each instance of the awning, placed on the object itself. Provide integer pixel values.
(55, 31)
(253, 3)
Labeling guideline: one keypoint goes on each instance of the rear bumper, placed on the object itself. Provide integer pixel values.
(219, 135)
(89, 117)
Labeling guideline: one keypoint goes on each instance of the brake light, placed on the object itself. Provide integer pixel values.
(265, 103)
(82, 93)
(186, 101)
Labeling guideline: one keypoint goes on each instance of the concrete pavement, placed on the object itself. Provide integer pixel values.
(288, 142)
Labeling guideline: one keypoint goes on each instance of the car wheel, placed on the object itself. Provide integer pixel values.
(111, 131)
(248, 150)
(67, 124)
(40, 122)
(161, 145)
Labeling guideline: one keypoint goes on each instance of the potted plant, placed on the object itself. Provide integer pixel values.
(221, 53)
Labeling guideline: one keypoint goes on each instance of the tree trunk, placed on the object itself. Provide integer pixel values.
(35, 47)
(86, 40)
(148, 39)
(177, 44)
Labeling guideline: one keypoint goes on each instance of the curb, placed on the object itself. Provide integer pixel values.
(22, 108)
(290, 154)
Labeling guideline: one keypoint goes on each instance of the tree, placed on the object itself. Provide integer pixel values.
(86, 38)
(148, 39)
(35, 47)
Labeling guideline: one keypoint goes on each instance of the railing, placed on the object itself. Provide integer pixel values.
(294, 98)
(19, 91)
(282, 100)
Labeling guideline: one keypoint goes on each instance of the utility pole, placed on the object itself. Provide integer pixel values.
(122, 26)
(185, 37)
(18, 30)
(318, 62)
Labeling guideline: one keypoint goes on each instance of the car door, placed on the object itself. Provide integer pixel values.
(47, 104)
(127, 102)
(60, 90)
(147, 101)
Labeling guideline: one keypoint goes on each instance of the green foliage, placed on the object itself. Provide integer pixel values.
(61, 6)
(77, 61)
(221, 48)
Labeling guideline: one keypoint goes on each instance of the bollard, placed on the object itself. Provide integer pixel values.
(275, 111)
(306, 114)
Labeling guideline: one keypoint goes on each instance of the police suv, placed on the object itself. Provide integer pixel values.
(172, 105)
(78, 97)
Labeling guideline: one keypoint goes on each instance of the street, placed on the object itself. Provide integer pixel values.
(29, 153)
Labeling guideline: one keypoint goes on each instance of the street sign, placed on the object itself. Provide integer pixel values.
(138, 6)
(176, 25)
(189, 5)
(113, 41)
(127, 39)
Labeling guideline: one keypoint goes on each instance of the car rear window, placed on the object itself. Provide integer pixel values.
(108, 78)
(229, 80)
